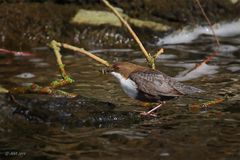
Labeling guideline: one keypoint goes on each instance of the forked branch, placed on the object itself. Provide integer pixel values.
(83, 51)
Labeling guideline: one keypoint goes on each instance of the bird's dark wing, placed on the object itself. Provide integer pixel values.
(154, 83)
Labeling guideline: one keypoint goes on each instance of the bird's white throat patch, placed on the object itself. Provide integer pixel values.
(128, 86)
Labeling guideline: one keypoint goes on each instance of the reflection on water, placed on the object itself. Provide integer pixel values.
(176, 134)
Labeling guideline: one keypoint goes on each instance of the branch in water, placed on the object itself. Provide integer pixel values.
(16, 53)
(36, 89)
(209, 58)
(150, 59)
(197, 107)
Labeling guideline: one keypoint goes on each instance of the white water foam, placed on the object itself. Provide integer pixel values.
(202, 70)
(186, 35)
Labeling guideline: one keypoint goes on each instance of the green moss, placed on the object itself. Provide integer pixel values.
(54, 83)
(68, 79)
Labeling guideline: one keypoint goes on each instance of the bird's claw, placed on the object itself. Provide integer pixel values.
(148, 114)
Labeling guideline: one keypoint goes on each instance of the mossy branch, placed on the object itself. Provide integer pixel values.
(51, 88)
(150, 59)
(56, 49)
(34, 88)
(66, 79)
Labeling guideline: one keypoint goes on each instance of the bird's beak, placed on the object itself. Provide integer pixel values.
(107, 70)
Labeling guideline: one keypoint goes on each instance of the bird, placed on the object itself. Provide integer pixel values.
(149, 85)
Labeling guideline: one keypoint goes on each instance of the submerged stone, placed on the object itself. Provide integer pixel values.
(92, 17)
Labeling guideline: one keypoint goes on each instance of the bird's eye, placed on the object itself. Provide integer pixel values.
(103, 71)
(106, 70)
(116, 68)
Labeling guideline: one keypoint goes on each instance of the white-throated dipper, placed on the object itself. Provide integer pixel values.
(149, 85)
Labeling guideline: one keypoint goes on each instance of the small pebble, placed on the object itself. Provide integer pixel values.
(165, 154)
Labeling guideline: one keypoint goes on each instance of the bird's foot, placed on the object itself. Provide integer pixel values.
(146, 104)
(143, 113)
(151, 112)
(148, 114)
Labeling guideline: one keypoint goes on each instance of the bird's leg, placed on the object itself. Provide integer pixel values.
(147, 104)
(149, 113)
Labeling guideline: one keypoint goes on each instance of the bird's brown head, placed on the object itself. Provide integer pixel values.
(126, 68)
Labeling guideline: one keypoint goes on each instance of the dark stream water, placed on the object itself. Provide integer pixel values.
(177, 132)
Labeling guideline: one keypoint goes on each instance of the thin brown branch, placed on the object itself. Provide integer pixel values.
(209, 58)
(209, 22)
(159, 52)
(215, 53)
(147, 55)
(16, 53)
(83, 51)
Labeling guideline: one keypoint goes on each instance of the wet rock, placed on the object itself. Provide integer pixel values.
(96, 18)
(79, 111)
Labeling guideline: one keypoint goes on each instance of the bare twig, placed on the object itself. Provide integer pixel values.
(215, 53)
(16, 53)
(159, 52)
(147, 55)
(83, 51)
(209, 22)
(150, 59)
(209, 58)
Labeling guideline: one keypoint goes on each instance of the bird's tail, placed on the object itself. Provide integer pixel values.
(186, 89)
